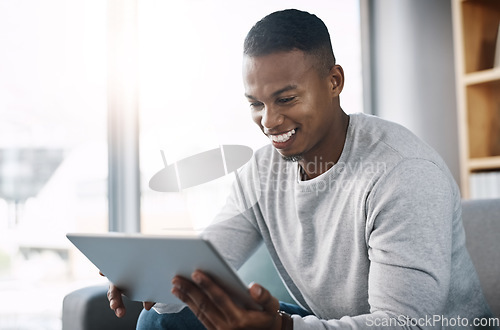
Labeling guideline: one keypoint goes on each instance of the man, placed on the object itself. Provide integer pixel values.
(361, 218)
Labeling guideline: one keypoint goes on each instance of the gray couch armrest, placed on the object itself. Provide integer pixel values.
(88, 309)
(481, 220)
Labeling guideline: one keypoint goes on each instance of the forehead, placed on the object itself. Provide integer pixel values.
(267, 73)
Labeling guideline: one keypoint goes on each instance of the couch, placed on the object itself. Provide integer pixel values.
(87, 308)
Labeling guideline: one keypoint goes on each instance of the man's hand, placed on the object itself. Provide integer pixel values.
(215, 309)
(116, 301)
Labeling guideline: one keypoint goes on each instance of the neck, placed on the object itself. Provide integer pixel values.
(317, 163)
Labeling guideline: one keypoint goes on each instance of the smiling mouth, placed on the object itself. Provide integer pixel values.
(280, 138)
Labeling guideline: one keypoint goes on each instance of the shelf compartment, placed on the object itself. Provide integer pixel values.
(480, 26)
(485, 163)
(483, 115)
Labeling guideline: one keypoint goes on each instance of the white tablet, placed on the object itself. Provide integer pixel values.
(143, 266)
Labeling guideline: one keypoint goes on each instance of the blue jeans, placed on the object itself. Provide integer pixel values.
(185, 319)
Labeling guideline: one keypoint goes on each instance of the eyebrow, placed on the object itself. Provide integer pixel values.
(276, 93)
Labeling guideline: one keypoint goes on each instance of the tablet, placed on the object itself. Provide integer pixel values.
(143, 265)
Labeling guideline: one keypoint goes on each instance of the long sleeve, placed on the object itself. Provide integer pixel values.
(410, 214)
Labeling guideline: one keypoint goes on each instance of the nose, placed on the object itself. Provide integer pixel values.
(271, 118)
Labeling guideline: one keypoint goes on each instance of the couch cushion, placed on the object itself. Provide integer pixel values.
(481, 220)
(88, 309)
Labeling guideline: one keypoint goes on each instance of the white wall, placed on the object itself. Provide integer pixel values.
(412, 70)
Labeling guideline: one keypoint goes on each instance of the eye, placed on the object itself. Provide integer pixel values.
(285, 100)
(256, 105)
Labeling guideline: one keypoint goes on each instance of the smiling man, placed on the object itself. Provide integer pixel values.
(365, 232)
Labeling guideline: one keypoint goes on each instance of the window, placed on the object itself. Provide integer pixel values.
(53, 127)
(53, 153)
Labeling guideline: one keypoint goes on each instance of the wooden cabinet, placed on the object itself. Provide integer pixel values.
(475, 29)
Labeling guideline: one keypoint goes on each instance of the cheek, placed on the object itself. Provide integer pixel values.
(312, 118)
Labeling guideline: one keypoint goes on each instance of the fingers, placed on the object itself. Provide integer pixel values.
(264, 298)
(218, 297)
(215, 309)
(270, 304)
(197, 300)
(116, 301)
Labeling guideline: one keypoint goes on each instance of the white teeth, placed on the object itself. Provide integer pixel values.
(282, 137)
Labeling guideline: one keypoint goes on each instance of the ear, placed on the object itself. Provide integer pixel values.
(336, 79)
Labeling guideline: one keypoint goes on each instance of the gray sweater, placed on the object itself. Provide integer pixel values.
(377, 240)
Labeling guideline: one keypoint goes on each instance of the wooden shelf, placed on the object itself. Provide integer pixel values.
(484, 163)
(475, 28)
(481, 77)
(479, 26)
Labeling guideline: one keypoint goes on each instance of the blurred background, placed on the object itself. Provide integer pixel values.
(92, 91)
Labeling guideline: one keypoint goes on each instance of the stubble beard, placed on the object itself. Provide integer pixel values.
(292, 158)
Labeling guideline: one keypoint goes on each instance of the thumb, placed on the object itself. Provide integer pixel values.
(264, 298)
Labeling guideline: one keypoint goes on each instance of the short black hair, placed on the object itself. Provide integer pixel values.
(290, 30)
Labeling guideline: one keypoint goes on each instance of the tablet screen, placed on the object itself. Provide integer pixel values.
(144, 265)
